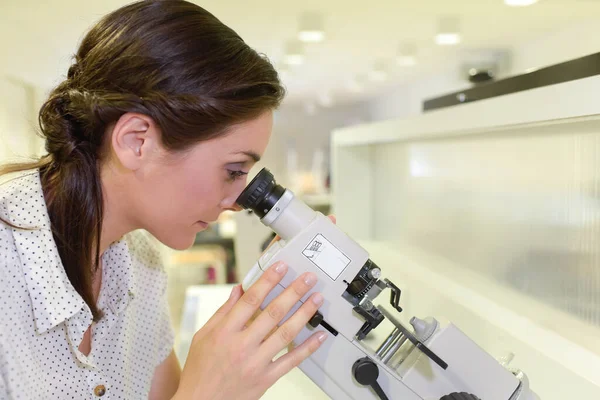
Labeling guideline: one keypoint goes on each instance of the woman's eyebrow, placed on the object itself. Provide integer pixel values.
(254, 156)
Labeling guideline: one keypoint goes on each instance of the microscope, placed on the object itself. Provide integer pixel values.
(427, 359)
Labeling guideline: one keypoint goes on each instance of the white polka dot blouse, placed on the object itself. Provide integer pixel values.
(43, 319)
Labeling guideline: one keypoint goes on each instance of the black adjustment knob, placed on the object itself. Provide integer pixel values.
(316, 319)
(460, 396)
(366, 372)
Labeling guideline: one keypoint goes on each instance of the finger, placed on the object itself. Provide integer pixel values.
(250, 301)
(288, 331)
(293, 358)
(252, 318)
(279, 307)
(332, 218)
(235, 295)
(256, 316)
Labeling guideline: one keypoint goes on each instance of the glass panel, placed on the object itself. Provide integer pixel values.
(519, 206)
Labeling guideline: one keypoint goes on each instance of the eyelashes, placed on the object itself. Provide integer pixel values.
(233, 175)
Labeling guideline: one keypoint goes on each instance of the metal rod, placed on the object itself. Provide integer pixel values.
(391, 346)
(395, 333)
(407, 354)
(394, 349)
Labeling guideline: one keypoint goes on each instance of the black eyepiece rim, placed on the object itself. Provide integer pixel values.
(261, 194)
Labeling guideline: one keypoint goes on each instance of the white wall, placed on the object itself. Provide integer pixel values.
(18, 120)
(567, 44)
(306, 133)
(405, 100)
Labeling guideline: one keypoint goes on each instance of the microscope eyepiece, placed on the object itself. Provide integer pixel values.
(261, 194)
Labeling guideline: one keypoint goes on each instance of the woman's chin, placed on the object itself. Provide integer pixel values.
(181, 243)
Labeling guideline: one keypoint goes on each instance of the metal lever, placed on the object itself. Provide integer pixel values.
(394, 295)
(366, 372)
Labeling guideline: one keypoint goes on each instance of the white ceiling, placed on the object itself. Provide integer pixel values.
(37, 38)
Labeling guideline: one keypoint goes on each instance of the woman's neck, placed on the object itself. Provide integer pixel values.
(116, 220)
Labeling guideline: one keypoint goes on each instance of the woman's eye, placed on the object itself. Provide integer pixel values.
(233, 175)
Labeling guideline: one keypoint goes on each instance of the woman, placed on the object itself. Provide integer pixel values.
(162, 115)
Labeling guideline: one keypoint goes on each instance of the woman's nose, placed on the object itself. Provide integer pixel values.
(230, 204)
(234, 207)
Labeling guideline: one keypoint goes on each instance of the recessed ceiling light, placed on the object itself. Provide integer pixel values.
(519, 3)
(377, 75)
(294, 59)
(311, 28)
(311, 36)
(294, 53)
(407, 55)
(355, 85)
(448, 33)
(406, 61)
(447, 39)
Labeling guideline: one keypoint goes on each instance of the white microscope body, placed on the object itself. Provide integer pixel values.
(428, 360)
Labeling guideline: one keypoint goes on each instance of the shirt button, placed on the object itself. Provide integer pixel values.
(99, 390)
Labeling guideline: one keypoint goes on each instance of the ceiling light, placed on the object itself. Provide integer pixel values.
(294, 59)
(406, 61)
(311, 36)
(519, 3)
(378, 73)
(447, 39)
(407, 55)
(377, 76)
(448, 33)
(311, 28)
(355, 85)
(294, 53)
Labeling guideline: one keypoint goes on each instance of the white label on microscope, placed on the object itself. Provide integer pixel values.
(326, 256)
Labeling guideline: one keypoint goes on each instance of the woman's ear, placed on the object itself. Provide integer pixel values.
(133, 139)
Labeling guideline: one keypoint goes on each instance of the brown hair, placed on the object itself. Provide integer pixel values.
(170, 60)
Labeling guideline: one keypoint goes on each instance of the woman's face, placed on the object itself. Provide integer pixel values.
(178, 194)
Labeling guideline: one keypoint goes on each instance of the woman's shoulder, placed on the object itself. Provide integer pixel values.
(13, 182)
(19, 191)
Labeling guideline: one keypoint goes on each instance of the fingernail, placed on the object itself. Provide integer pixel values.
(317, 299)
(281, 268)
(322, 336)
(310, 279)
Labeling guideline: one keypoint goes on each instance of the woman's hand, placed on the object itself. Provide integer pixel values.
(232, 358)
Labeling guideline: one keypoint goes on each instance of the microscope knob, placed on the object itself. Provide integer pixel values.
(460, 396)
(316, 319)
(366, 372)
